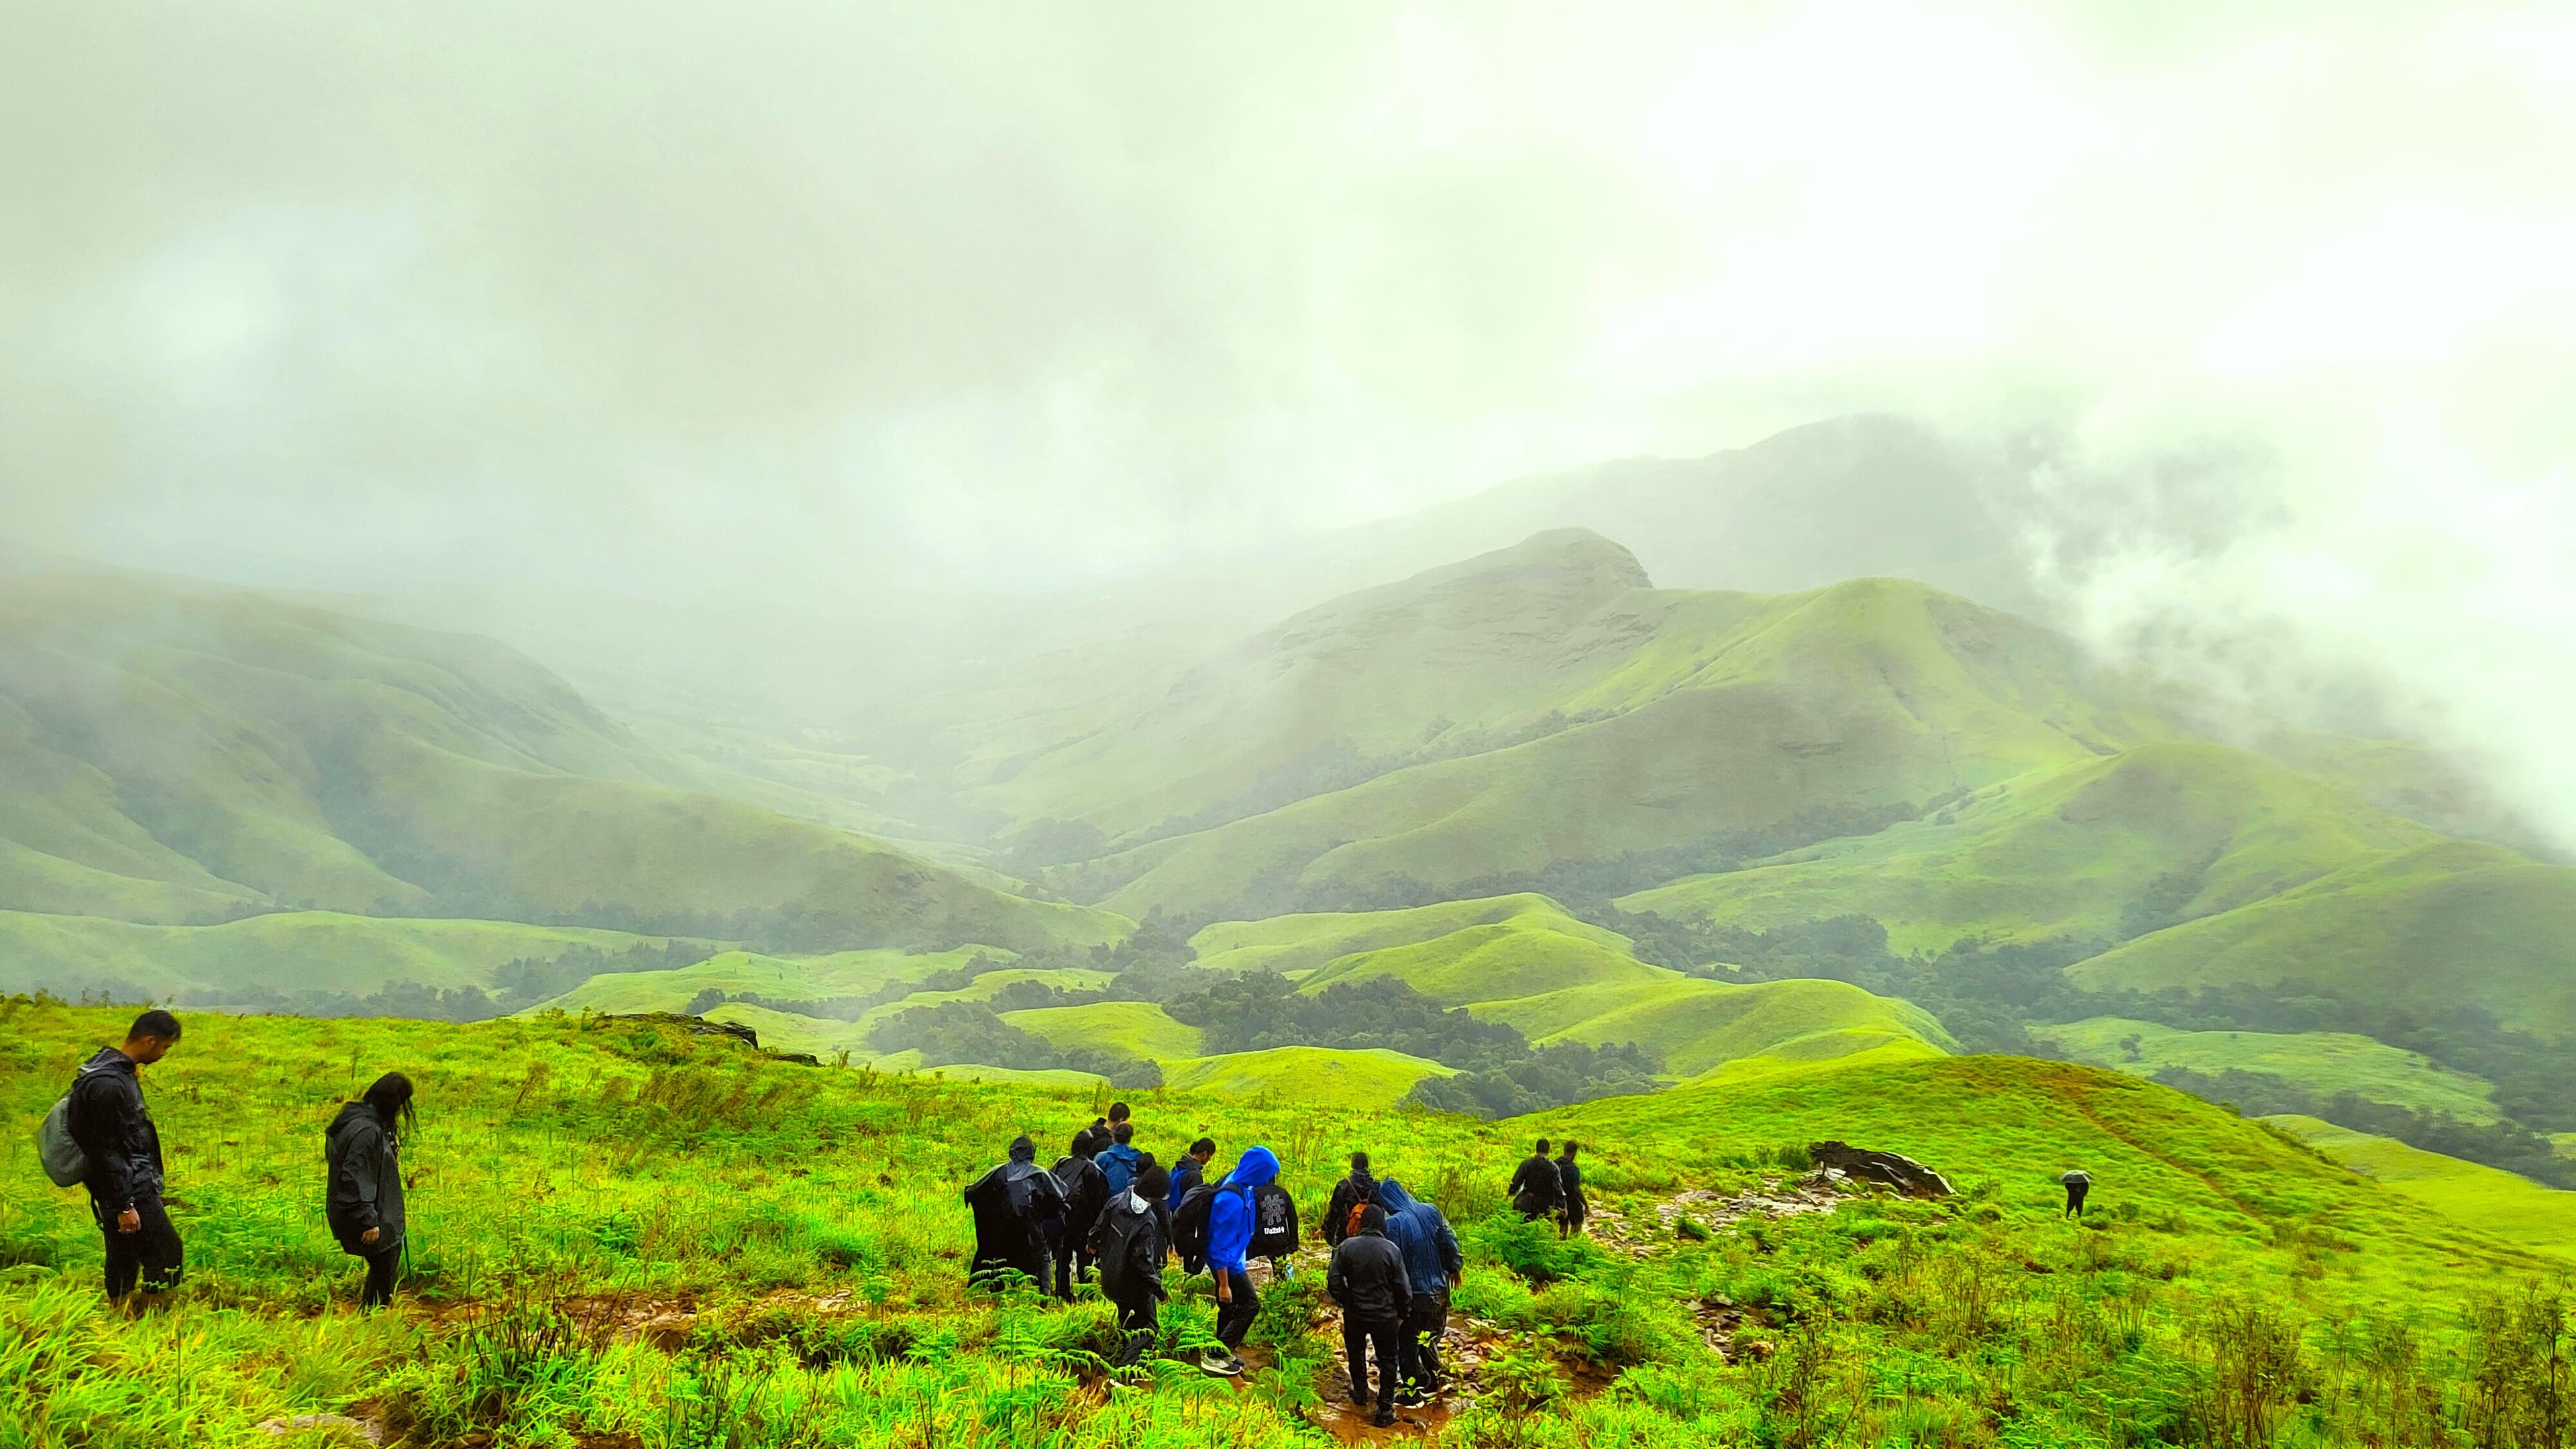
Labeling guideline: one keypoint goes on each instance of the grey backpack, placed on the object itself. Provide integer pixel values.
(64, 1161)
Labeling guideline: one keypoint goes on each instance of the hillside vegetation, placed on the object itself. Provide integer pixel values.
(620, 1230)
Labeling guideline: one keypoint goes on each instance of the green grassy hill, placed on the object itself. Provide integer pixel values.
(2163, 832)
(1292, 944)
(616, 1228)
(287, 951)
(1728, 713)
(2490, 1199)
(2434, 927)
(1522, 960)
(778, 978)
(1138, 1028)
(1321, 1077)
(2321, 1062)
(177, 754)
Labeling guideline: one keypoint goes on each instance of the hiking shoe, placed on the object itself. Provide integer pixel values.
(1385, 1419)
(1412, 1399)
(1224, 1366)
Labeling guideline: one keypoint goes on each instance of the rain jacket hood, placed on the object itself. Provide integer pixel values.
(1431, 1252)
(1230, 1216)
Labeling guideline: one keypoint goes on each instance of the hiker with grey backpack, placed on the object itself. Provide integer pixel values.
(100, 1135)
(363, 1201)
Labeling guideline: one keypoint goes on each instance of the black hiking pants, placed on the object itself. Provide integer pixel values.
(1358, 1337)
(150, 1257)
(1139, 1321)
(1418, 1354)
(383, 1258)
(2075, 1198)
(1234, 1320)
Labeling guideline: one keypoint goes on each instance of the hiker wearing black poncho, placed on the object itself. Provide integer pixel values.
(364, 1202)
(1086, 1191)
(1019, 1207)
(1130, 1239)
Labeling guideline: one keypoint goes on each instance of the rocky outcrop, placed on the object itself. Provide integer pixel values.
(1884, 1168)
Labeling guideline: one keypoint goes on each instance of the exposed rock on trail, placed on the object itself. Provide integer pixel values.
(1885, 1168)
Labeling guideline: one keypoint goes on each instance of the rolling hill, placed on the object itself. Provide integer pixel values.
(2490, 1199)
(176, 754)
(1697, 716)
(2094, 850)
(2322, 1063)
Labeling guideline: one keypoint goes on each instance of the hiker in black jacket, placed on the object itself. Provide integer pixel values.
(1131, 1238)
(114, 1130)
(1349, 1195)
(1536, 1188)
(1019, 1207)
(1188, 1173)
(1571, 1208)
(1368, 1279)
(1086, 1191)
(363, 1195)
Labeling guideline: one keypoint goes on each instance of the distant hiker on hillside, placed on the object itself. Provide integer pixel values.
(363, 1181)
(1571, 1210)
(2078, 1182)
(1350, 1194)
(1130, 1239)
(1229, 1243)
(106, 1120)
(1014, 1204)
(1086, 1191)
(1120, 1160)
(1369, 1280)
(1188, 1173)
(1536, 1188)
(1274, 1229)
(1432, 1263)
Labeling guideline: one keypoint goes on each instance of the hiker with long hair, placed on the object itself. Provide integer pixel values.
(363, 1195)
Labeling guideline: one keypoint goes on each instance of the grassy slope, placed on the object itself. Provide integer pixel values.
(1864, 695)
(287, 951)
(1139, 1028)
(179, 754)
(1305, 942)
(2513, 1208)
(1323, 1077)
(1523, 960)
(617, 1167)
(782, 978)
(2021, 1122)
(2435, 927)
(2322, 1062)
(2066, 852)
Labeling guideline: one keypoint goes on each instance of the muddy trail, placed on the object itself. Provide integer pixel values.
(669, 1321)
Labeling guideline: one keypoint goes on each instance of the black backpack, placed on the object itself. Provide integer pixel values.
(1274, 1222)
(1190, 1224)
(1131, 1251)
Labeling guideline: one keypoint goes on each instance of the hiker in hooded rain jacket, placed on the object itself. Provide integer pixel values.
(1086, 1191)
(1432, 1263)
(1368, 1279)
(1014, 1205)
(114, 1130)
(1230, 1224)
(1349, 1196)
(1130, 1239)
(363, 1202)
(1536, 1188)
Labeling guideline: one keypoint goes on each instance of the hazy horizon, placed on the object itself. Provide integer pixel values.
(821, 317)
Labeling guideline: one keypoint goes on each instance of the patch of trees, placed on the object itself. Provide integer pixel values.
(967, 1032)
(1264, 1010)
(2508, 1145)
(1501, 1074)
(1550, 1076)
(1990, 994)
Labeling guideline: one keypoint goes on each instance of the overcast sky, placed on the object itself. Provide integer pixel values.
(338, 295)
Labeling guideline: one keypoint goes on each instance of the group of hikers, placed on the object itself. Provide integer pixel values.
(101, 1136)
(1109, 1211)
